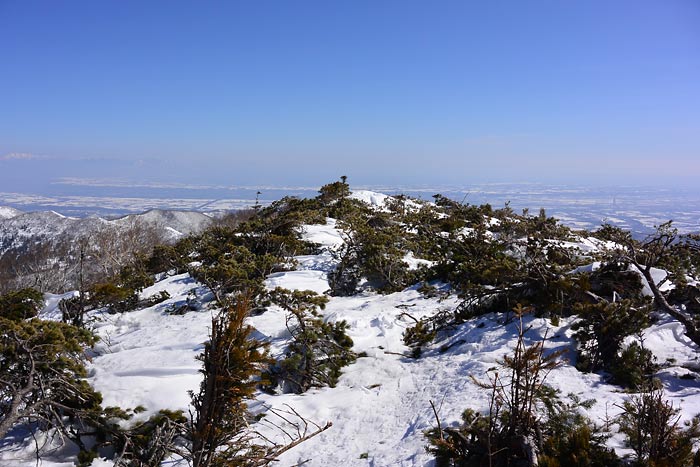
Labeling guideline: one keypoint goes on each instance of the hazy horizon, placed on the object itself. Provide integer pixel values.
(636, 208)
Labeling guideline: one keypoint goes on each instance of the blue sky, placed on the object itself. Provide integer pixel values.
(382, 91)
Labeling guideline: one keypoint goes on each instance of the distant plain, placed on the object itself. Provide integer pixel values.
(636, 208)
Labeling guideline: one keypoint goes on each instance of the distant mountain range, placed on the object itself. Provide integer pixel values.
(43, 249)
(20, 230)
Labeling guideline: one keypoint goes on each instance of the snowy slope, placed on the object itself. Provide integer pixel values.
(146, 357)
(380, 407)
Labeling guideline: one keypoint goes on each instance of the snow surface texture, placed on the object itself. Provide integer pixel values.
(380, 406)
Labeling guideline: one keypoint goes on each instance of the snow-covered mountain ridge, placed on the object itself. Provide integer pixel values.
(19, 229)
(380, 407)
(39, 249)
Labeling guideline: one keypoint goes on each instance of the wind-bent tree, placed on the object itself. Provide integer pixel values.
(667, 249)
(231, 361)
(219, 429)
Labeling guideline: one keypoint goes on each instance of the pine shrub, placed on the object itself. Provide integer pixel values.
(21, 304)
(653, 431)
(318, 350)
(601, 330)
(634, 368)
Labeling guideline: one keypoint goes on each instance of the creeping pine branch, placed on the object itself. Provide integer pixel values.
(297, 432)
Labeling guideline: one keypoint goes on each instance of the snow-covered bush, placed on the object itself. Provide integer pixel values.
(526, 423)
(601, 330)
(374, 249)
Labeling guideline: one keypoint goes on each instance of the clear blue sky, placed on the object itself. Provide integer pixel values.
(382, 91)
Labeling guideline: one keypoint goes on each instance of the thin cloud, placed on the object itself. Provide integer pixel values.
(22, 156)
(121, 183)
(28, 156)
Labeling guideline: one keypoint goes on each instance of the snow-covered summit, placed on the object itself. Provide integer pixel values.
(183, 222)
(370, 197)
(379, 200)
(7, 212)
